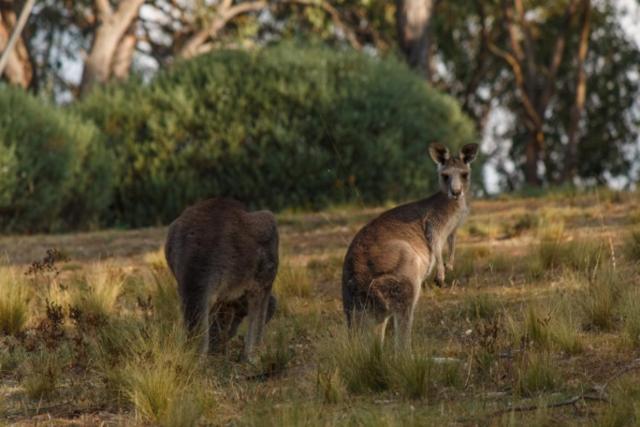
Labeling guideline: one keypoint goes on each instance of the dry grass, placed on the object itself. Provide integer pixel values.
(535, 312)
(14, 302)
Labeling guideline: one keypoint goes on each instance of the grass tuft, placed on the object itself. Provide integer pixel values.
(632, 246)
(43, 374)
(600, 299)
(292, 281)
(14, 305)
(536, 373)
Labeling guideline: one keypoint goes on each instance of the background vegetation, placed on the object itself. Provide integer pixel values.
(285, 126)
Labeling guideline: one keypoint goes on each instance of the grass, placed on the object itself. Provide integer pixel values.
(98, 295)
(600, 298)
(43, 373)
(535, 311)
(536, 373)
(14, 304)
(292, 281)
(632, 246)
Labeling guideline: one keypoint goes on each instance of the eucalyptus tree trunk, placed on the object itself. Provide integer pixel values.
(413, 18)
(15, 63)
(113, 25)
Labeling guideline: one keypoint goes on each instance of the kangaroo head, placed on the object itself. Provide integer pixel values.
(453, 171)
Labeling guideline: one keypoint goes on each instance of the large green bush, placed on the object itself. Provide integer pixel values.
(55, 173)
(283, 126)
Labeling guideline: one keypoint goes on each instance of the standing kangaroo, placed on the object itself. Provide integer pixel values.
(392, 255)
(224, 260)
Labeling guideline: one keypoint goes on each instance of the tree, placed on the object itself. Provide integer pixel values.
(113, 42)
(19, 70)
(413, 18)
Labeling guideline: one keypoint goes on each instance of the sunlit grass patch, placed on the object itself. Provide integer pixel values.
(14, 302)
(160, 377)
(97, 299)
(156, 259)
(292, 281)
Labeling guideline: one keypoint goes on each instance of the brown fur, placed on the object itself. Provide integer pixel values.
(224, 259)
(390, 257)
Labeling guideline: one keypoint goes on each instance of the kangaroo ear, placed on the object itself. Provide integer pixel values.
(469, 152)
(439, 153)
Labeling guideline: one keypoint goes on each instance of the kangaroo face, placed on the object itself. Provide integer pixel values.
(453, 171)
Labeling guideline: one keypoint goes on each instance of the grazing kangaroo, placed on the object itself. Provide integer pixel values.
(392, 255)
(224, 260)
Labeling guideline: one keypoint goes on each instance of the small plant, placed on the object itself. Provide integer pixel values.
(536, 373)
(292, 281)
(14, 306)
(94, 303)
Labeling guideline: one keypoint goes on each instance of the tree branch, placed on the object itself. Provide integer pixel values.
(226, 14)
(335, 17)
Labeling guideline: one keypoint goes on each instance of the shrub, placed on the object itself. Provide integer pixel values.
(284, 126)
(51, 162)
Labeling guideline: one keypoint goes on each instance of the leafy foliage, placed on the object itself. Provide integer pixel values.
(284, 126)
(54, 172)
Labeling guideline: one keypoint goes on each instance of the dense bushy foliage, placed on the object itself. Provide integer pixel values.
(280, 127)
(55, 172)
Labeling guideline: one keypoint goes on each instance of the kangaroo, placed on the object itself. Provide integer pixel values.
(224, 259)
(392, 255)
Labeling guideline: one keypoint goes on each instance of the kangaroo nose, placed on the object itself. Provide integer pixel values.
(455, 192)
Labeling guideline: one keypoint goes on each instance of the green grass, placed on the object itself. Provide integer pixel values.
(537, 373)
(600, 298)
(632, 246)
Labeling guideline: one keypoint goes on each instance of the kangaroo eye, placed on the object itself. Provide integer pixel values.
(445, 176)
(465, 175)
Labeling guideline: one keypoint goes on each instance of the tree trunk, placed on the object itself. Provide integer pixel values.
(412, 20)
(123, 58)
(532, 158)
(111, 28)
(18, 70)
(571, 155)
